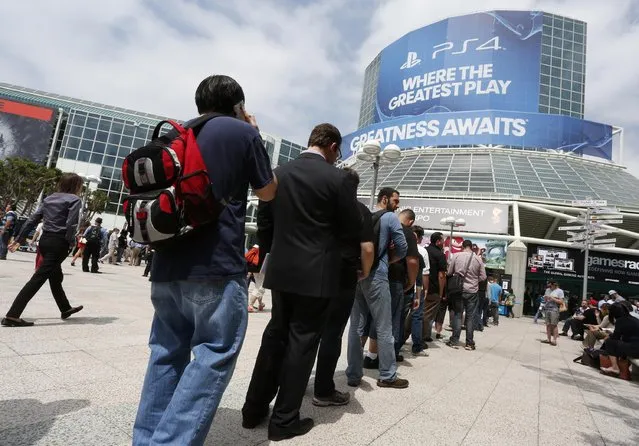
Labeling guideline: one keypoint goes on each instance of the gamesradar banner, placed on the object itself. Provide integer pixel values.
(517, 129)
(489, 60)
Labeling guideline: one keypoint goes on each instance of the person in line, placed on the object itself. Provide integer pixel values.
(471, 267)
(551, 306)
(373, 296)
(367, 330)
(494, 293)
(94, 236)
(198, 284)
(60, 212)
(624, 341)
(435, 303)
(405, 272)
(483, 305)
(315, 208)
(357, 259)
(111, 255)
(7, 226)
(423, 278)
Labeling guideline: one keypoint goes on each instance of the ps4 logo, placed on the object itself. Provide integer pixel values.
(468, 44)
(411, 61)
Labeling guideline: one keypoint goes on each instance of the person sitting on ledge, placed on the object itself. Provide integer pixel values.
(624, 341)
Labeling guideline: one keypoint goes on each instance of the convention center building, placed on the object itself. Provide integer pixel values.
(480, 119)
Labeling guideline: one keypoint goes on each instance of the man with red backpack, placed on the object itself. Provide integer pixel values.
(199, 289)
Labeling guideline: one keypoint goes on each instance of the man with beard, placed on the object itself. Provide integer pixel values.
(374, 296)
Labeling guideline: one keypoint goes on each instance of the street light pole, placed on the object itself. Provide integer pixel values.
(375, 174)
(371, 151)
(452, 222)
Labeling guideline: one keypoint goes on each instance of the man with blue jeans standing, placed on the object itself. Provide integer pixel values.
(373, 294)
(199, 290)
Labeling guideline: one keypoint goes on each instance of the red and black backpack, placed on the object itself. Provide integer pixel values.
(170, 188)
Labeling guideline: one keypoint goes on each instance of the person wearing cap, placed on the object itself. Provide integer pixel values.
(94, 236)
(614, 295)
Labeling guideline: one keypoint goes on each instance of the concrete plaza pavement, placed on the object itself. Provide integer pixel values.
(77, 382)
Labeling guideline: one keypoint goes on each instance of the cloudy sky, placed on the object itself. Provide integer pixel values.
(300, 62)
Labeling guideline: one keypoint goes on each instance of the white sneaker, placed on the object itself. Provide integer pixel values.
(423, 353)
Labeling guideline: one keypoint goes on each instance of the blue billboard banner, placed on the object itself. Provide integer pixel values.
(481, 61)
(517, 129)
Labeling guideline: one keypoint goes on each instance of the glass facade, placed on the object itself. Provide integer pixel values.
(494, 173)
(563, 66)
(97, 139)
(562, 78)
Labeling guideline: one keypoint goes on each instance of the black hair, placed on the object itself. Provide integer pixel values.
(409, 213)
(467, 244)
(352, 175)
(219, 94)
(386, 192)
(324, 135)
(418, 230)
(435, 237)
(616, 311)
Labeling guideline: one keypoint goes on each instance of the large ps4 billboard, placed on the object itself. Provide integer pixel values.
(473, 80)
(25, 130)
(479, 61)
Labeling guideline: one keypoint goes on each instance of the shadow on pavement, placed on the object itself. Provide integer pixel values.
(12, 412)
(79, 321)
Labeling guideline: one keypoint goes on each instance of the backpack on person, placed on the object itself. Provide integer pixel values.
(94, 235)
(455, 283)
(377, 224)
(170, 188)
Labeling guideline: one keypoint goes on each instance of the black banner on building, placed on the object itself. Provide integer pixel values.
(25, 130)
(569, 263)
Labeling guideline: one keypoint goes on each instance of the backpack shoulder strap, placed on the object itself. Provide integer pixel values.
(469, 262)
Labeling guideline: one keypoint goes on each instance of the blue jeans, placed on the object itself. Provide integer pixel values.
(417, 326)
(180, 397)
(372, 294)
(407, 304)
(468, 304)
(397, 304)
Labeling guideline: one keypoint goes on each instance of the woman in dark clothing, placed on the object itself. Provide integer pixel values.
(624, 341)
(61, 212)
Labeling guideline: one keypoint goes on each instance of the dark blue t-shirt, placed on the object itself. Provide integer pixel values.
(235, 157)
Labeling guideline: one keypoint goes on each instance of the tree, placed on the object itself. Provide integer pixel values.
(22, 181)
(96, 204)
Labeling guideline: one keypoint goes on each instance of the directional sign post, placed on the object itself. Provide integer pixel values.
(589, 228)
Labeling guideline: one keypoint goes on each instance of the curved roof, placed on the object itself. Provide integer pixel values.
(491, 173)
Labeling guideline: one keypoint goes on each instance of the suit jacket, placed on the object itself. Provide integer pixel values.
(304, 227)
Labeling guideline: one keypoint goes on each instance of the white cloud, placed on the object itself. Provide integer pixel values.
(300, 63)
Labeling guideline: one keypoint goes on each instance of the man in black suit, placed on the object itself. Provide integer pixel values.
(315, 210)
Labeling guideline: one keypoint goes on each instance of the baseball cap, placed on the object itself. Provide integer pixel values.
(98, 220)
(601, 303)
(611, 292)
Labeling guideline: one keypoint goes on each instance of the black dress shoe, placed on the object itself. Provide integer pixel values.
(66, 314)
(12, 323)
(302, 427)
(370, 363)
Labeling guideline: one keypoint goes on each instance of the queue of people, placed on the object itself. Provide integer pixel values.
(324, 256)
